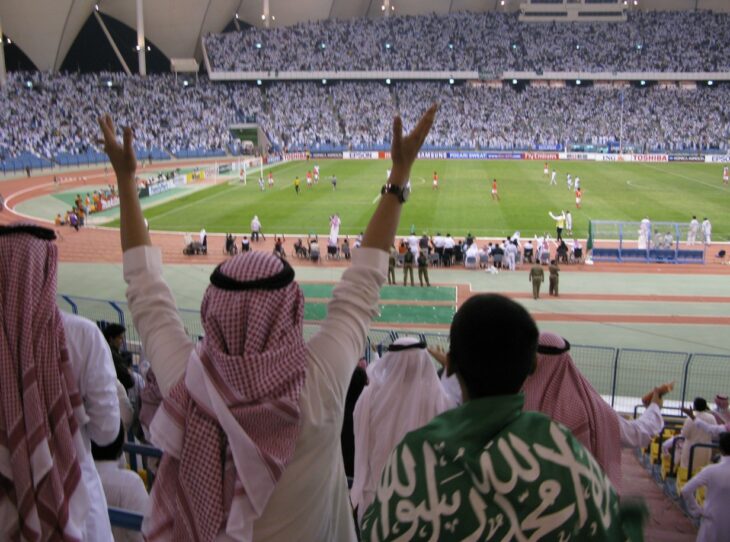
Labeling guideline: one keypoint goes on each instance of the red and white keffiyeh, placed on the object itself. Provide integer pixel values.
(559, 390)
(42, 496)
(229, 428)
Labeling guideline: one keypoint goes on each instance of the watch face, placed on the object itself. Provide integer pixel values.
(405, 192)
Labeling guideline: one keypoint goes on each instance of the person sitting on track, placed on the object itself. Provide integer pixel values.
(253, 402)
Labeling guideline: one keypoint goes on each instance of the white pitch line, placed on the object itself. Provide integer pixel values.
(683, 177)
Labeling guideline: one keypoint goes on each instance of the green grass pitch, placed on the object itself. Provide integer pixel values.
(611, 191)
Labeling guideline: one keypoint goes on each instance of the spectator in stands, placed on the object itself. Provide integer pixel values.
(714, 519)
(403, 381)
(696, 435)
(57, 390)
(114, 335)
(464, 460)
(347, 437)
(267, 441)
(559, 390)
(721, 412)
(123, 488)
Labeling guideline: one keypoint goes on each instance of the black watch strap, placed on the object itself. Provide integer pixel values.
(393, 189)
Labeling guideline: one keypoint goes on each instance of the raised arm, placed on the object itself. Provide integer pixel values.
(341, 339)
(164, 339)
(131, 222)
(380, 232)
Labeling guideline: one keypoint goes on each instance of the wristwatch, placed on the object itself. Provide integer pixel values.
(401, 191)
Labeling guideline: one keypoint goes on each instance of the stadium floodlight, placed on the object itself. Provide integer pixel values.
(136, 48)
(636, 2)
(322, 45)
(451, 80)
(29, 84)
(387, 81)
(258, 82)
(643, 83)
(237, 17)
(10, 42)
(258, 45)
(710, 83)
(149, 48)
(263, 16)
(514, 46)
(578, 81)
(639, 46)
(324, 81)
(387, 45)
(501, 2)
(96, 7)
(577, 46)
(514, 81)
(109, 83)
(451, 45)
(185, 83)
(382, 7)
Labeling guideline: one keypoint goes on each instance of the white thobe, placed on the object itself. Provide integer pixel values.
(715, 520)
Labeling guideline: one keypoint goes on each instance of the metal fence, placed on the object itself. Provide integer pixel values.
(620, 375)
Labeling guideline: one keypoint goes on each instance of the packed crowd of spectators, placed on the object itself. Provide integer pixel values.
(488, 118)
(48, 114)
(301, 115)
(490, 42)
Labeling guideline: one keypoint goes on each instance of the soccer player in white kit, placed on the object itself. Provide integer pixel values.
(569, 180)
(707, 231)
(316, 174)
(261, 183)
(554, 178)
(694, 227)
(725, 175)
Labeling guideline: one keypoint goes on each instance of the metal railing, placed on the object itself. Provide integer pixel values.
(620, 375)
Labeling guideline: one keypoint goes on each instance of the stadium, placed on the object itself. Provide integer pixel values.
(578, 146)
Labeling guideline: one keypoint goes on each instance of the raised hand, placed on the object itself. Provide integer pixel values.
(122, 156)
(404, 150)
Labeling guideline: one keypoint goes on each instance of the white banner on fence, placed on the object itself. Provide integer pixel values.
(718, 158)
(357, 155)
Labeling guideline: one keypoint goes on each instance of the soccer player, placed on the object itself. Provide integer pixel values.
(546, 170)
(261, 183)
(334, 182)
(495, 193)
(554, 178)
(694, 227)
(707, 231)
(242, 175)
(271, 180)
(316, 174)
(435, 181)
(725, 175)
(297, 182)
(577, 183)
(578, 195)
(309, 179)
(570, 182)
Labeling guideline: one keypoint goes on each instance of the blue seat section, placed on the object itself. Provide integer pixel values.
(24, 160)
(659, 255)
(199, 153)
(80, 159)
(155, 152)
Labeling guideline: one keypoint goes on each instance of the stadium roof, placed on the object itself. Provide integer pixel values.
(45, 29)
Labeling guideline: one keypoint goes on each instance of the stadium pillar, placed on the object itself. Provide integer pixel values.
(3, 74)
(386, 8)
(266, 15)
(141, 47)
